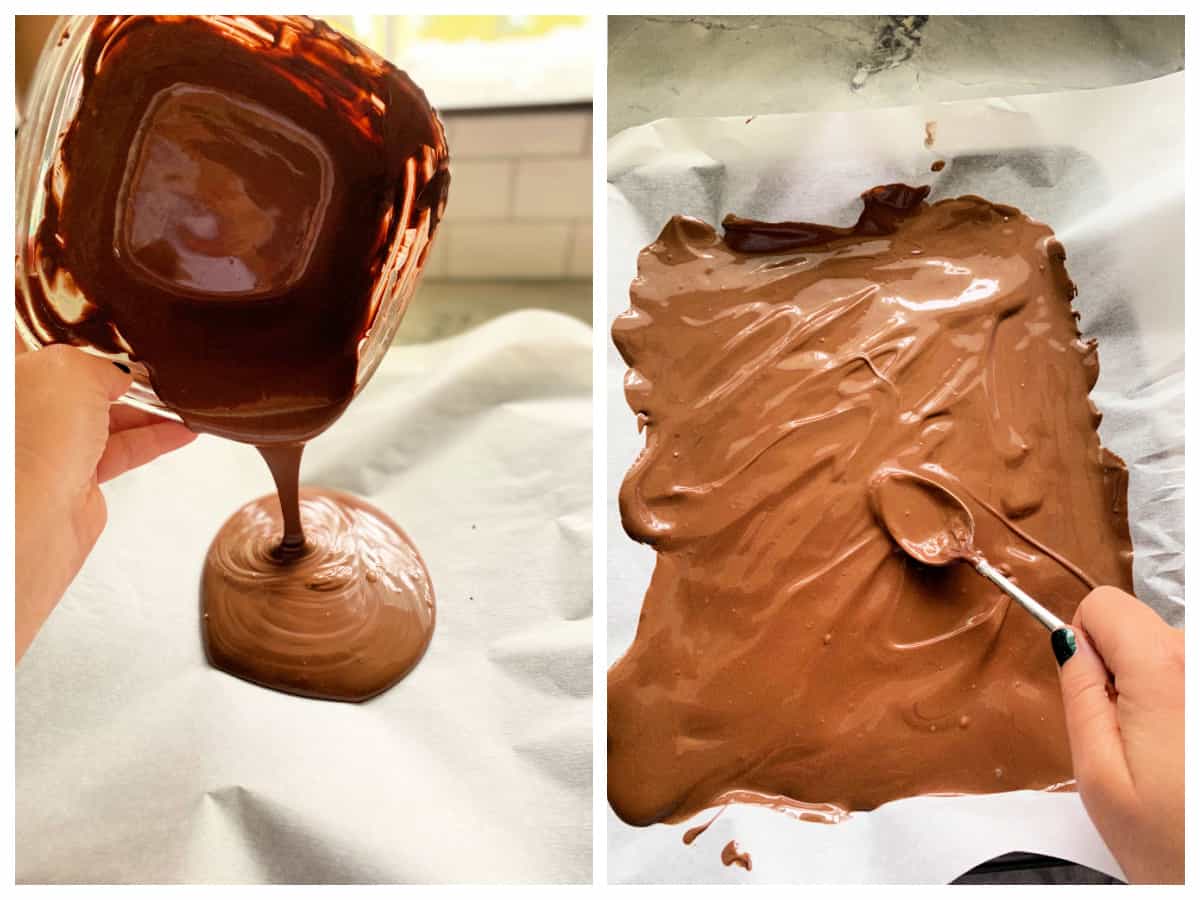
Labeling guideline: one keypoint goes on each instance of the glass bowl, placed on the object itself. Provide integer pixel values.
(53, 100)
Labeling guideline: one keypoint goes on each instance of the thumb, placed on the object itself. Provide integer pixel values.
(1097, 752)
(137, 446)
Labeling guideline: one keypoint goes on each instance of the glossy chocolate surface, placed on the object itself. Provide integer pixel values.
(787, 651)
(344, 618)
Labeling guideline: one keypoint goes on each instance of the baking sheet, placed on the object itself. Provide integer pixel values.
(136, 762)
(1105, 169)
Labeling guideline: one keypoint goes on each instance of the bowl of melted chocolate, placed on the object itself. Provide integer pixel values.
(238, 208)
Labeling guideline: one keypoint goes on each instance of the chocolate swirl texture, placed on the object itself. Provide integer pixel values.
(786, 649)
(345, 619)
(238, 203)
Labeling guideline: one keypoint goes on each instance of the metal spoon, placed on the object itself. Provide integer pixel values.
(936, 528)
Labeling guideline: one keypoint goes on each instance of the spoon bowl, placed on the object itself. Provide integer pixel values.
(927, 521)
(934, 527)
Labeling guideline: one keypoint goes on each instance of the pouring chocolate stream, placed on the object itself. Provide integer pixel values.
(241, 206)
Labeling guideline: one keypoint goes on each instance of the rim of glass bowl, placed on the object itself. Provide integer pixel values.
(52, 103)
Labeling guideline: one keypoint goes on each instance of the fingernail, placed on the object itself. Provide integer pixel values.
(1063, 642)
(124, 368)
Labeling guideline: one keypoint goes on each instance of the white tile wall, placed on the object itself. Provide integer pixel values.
(579, 262)
(486, 136)
(481, 188)
(520, 197)
(506, 249)
(553, 189)
(435, 265)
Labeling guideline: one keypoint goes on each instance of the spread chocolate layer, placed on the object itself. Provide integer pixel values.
(787, 651)
(343, 618)
(241, 207)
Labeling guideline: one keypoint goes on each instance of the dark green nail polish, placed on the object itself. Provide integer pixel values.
(1063, 642)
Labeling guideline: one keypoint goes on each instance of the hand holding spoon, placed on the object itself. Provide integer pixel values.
(936, 528)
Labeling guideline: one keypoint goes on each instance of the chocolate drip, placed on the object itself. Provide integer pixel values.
(284, 463)
(732, 855)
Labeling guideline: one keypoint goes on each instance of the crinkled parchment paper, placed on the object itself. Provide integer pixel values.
(1104, 169)
(137, 762)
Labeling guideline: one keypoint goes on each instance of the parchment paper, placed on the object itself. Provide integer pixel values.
(137, 762)
(1105, 169)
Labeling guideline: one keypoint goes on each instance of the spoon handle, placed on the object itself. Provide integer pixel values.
(1062, 638)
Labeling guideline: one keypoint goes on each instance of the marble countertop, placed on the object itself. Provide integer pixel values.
(663, 66)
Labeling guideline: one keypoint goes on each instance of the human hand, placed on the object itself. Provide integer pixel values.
(1127, 743)
(70, 439)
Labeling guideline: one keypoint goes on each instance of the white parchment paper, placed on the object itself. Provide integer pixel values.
(1104, 168)
(136, 762)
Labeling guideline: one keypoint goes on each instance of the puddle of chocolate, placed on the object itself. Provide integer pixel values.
(237, 204)
(786, 648)
(732, 855)
(344, 618)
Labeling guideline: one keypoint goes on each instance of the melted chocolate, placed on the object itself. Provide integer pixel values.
(284, 463)
(695, 831)
(732, 855)
(232, 204)
(241, 206)
(787, 651)
(344, 618)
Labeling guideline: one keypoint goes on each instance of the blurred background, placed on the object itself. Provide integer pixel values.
(515, 94)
